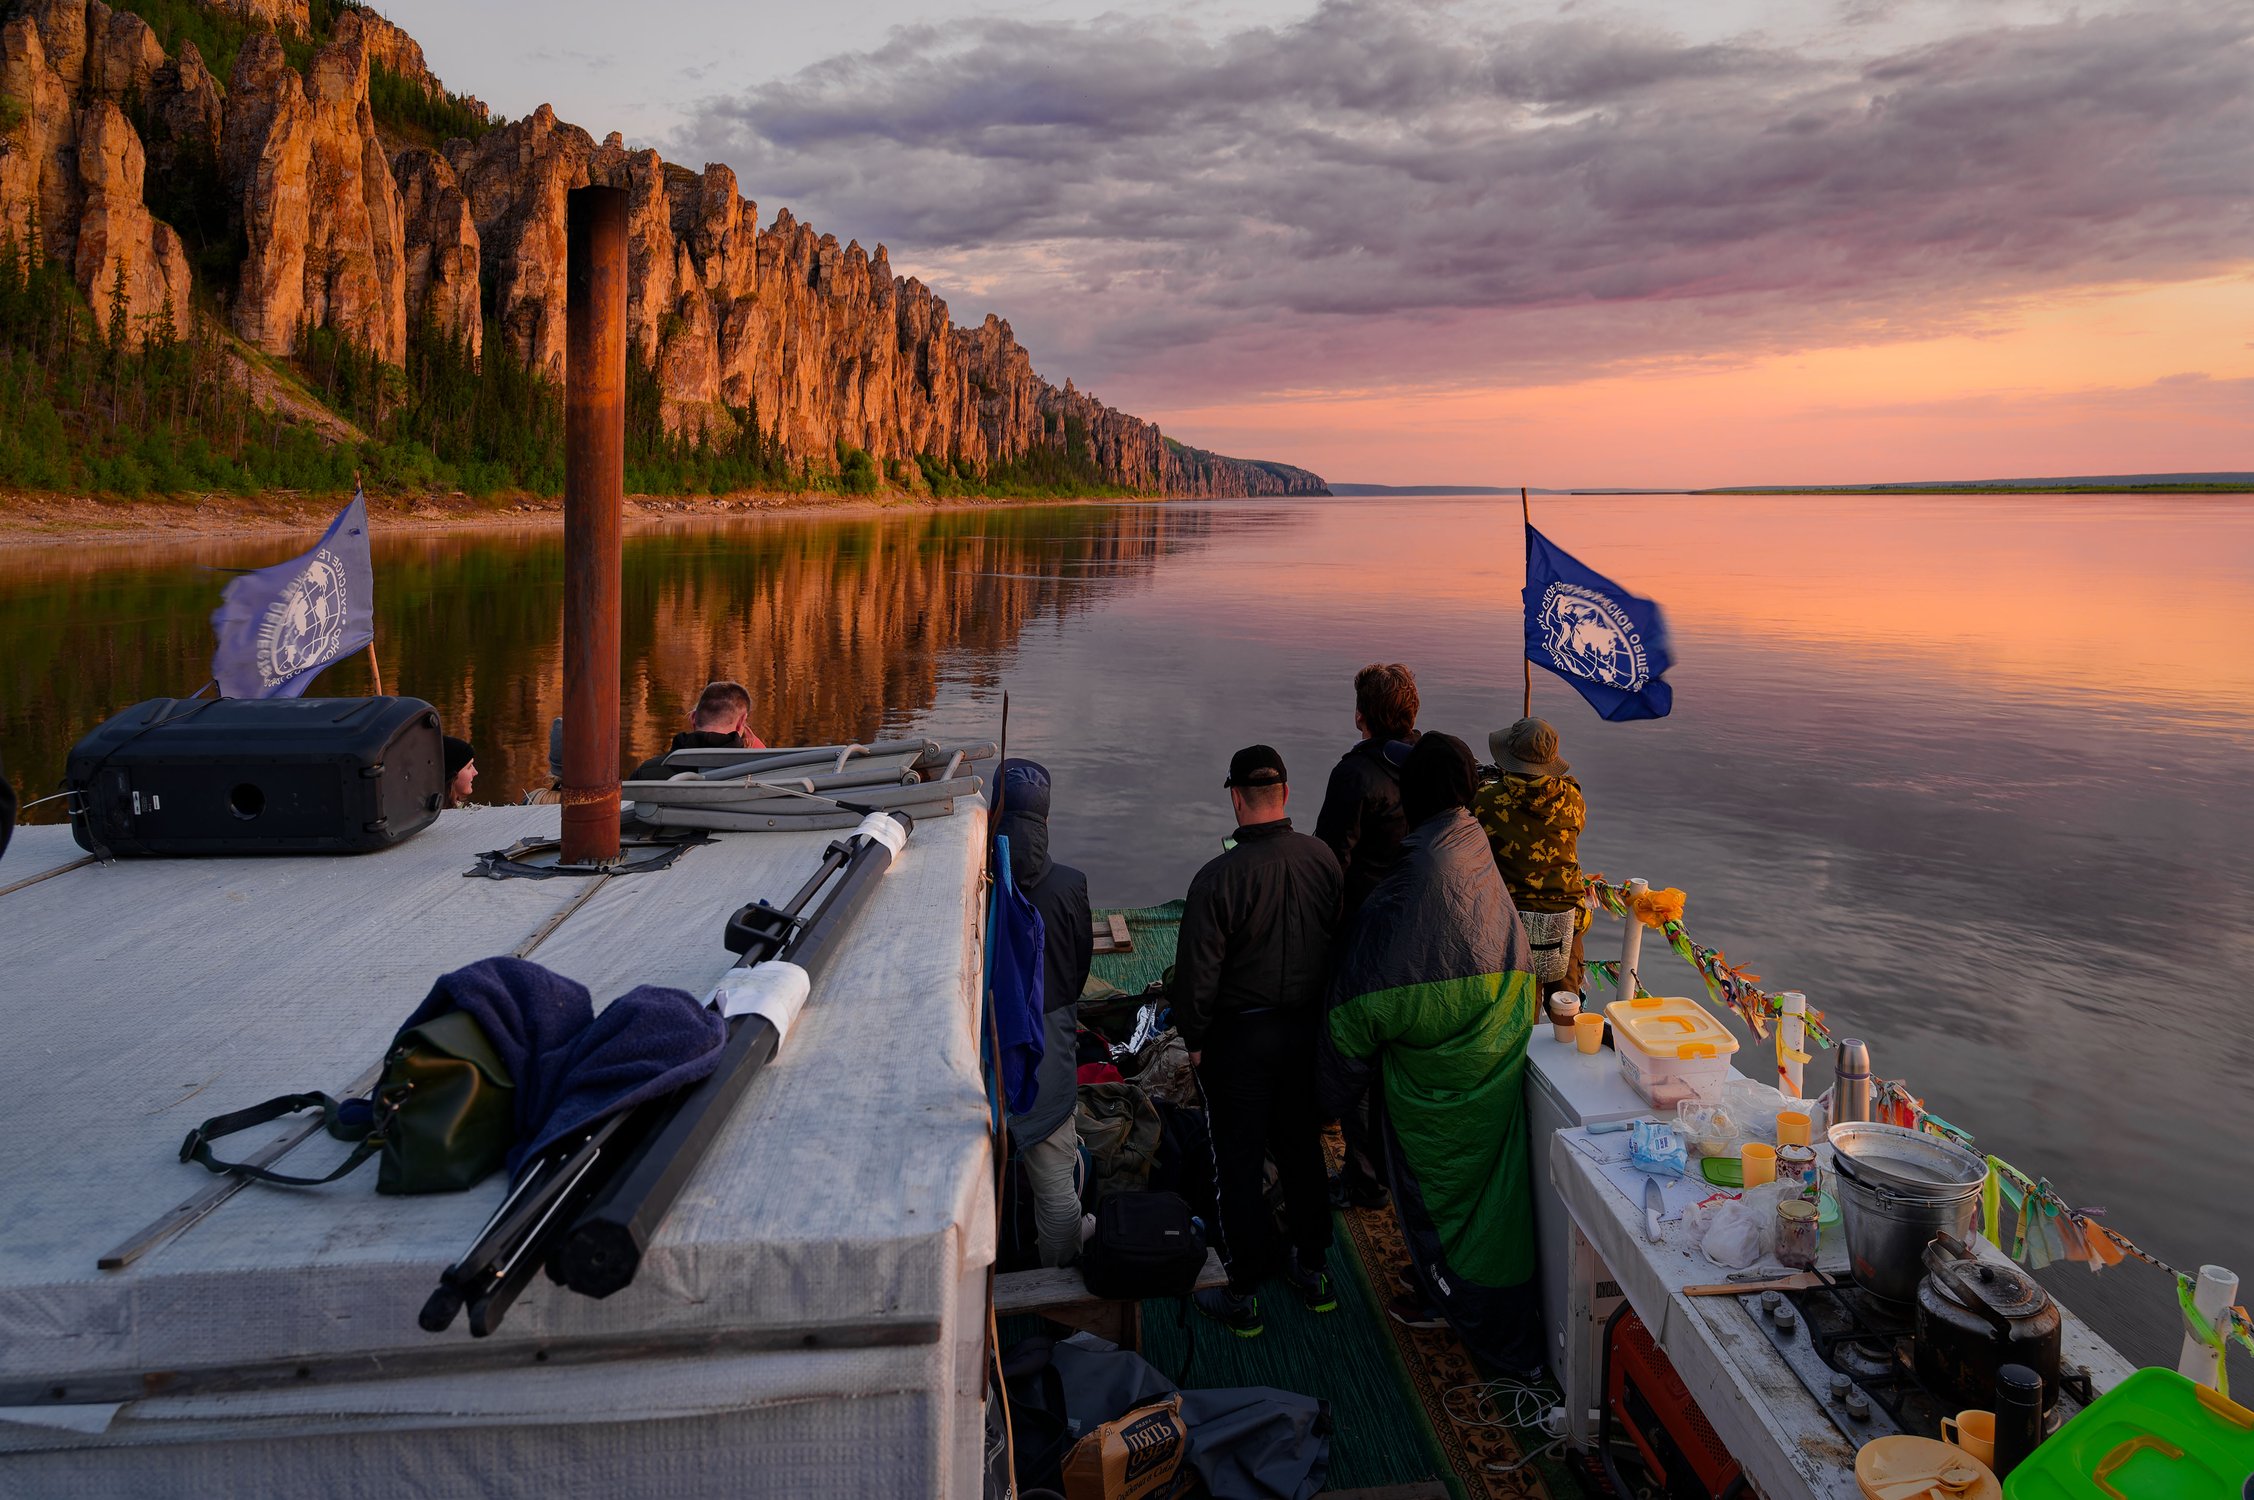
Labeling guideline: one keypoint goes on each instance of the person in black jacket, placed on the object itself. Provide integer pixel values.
(1046, 1136)
(1361, 821)
(1361, 816)
(1251, 976)
(721, 720)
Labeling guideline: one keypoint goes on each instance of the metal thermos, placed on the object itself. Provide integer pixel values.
(1851, 1083)
(2019, 1416)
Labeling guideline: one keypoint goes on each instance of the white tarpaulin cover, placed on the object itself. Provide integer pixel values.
(808, 1319)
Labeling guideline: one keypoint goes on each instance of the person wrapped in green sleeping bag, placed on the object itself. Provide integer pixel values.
(1435, 1000)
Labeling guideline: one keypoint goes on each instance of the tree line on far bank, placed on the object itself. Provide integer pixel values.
(168, 404)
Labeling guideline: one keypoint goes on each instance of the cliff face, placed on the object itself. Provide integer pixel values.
(72, 168)
(818, 343)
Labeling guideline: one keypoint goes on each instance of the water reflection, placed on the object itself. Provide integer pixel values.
(840, 628)
(1973, 772)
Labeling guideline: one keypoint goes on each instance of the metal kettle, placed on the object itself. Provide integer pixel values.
(1975, 1316)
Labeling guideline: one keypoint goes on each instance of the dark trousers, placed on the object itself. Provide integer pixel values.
(1258, 1078)
(1361, 1174)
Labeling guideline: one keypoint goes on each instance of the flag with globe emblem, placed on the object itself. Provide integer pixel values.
(1610, 644)
(279, 626)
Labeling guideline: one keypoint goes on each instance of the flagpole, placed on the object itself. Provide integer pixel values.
(1526, 515)
(374, 670)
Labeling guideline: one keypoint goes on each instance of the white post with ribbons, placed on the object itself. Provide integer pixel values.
(1792, 1042)
(2211, 1298)
(1632, 944)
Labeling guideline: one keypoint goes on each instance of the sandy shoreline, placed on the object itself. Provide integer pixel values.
(45, 520)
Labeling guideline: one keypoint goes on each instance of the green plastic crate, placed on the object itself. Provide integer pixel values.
(2155, 1436)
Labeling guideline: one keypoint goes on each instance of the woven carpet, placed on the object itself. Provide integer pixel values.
(1389, 1387)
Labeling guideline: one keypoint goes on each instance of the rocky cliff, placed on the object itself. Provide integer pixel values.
(339, 222)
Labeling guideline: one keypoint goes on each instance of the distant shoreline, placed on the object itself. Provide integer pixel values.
(1966, 489)
(36, 520)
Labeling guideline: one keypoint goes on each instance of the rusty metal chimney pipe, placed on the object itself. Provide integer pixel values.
(594, 496)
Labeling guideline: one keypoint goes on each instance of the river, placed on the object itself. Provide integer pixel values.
(1974, 772)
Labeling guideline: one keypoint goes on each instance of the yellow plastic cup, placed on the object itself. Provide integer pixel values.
(1588, 1033)
(1792, 1128)
(1974, 1432)
(1758, 1162)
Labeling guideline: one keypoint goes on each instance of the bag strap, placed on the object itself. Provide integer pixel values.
(197, 1147)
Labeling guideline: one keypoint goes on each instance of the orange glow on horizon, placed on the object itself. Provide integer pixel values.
(2136, 380)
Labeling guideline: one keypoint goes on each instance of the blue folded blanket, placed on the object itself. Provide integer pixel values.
(572, 1066)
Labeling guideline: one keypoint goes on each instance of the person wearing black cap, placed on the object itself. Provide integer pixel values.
(461, 771)
(1251, 971)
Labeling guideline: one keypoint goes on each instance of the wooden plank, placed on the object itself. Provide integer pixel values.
(1111, 934)
(468, 1356)
(1052, 1290)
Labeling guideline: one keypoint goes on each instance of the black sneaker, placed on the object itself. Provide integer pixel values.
(1314, 1286)
(1411, 1312)
(1240, 1315)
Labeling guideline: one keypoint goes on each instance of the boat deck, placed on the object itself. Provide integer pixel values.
(829, 1255)
(1388, 1386)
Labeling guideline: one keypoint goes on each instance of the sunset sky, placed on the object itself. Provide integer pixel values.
(1577, 244)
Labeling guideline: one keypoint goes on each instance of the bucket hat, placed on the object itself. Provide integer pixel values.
(1528, 747)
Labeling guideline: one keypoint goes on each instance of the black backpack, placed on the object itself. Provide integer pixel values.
(1145, 1245)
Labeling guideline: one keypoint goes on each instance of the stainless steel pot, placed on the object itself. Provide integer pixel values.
(1898, 1189)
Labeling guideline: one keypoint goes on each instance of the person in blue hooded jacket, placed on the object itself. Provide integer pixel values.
(1046, 1135)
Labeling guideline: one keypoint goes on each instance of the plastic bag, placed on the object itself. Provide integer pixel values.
(1708, 1128)
(1657, 1147)
(1749, 1110)
(1742, 1231)
(1733, 1235)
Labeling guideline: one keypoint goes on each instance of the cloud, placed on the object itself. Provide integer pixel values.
(1404, 191)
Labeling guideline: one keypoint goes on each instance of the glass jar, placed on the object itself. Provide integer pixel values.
(1799, 1232)
(1797, 1169)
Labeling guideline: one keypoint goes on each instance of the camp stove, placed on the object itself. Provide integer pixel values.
(1856, 1354)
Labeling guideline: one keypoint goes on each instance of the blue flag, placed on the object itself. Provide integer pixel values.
(279, 626)
(1610, 644)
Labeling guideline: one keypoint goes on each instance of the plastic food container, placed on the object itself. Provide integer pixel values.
(2155, 1436)
(1670, 1048)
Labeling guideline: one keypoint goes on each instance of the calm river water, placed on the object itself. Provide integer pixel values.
(1973, 772)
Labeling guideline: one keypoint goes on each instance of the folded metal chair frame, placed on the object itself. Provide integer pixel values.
(810, 787)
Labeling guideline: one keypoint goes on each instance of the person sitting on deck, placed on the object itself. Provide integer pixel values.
(721, 720)
(461, 771)
(1250, 973)
(1533, 813)
(1046, 1137)
(1434, 1003)
(1361, 821)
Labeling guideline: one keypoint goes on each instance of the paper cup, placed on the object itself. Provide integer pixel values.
(1588, 1033)
(1758, 1162)
(1564, 1009)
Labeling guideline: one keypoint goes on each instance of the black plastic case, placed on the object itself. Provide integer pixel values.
(176, 776)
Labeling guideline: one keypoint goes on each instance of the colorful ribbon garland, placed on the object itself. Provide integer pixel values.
(2049, 1229)
(1726, 984)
